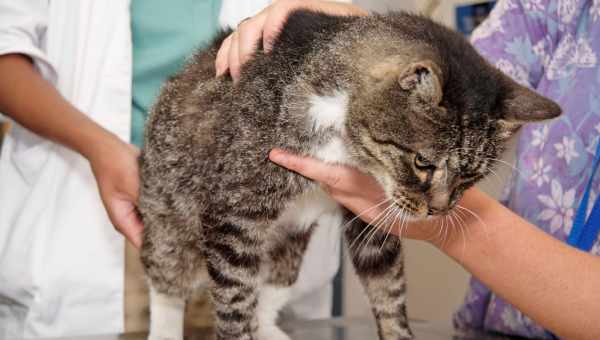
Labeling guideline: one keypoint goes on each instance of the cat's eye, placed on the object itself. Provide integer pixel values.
(423, 163)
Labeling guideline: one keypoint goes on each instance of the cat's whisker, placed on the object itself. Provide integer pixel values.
(403, 222)
(464, 217)
(485, 185)
(448, 232)
(451, 225)
(399, 212)
(387, 234)
(505, 163)
(461, 227)
(444, 225)
(368, 227)
(399, 228)
(442, 229)
(364, 212)
(446, 228)
(371, 226)
(380, 226)
(401, 216)
(499, 179)
(485, 225)
(501, 161)
(376, 229)
(402, 213)
(438, 226)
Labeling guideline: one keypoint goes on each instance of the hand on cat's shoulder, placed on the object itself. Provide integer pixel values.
(264, 26)
(355, 190)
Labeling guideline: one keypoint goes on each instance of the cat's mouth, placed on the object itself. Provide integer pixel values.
(419, 208)
(413, 207)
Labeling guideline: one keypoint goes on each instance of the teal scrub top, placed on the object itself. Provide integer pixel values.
(164, 33)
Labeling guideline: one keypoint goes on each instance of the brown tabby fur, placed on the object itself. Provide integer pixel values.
(425, 116)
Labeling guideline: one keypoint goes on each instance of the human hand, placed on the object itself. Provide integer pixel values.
(241, 44)
(355, 190)
(116, 169)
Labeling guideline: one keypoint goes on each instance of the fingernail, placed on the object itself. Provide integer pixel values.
(277, 155)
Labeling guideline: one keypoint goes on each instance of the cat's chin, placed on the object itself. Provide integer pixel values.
(412, 217)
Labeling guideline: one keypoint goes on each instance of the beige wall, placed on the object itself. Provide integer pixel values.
(436, 284)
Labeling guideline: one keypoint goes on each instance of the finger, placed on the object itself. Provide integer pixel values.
(234, 57)
(250, 32)
(125, 219)
(326, 174)
(274, 21)
(133, 229)
(221, 62)
(130, 225)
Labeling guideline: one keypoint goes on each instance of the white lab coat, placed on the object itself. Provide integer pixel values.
(61, 261)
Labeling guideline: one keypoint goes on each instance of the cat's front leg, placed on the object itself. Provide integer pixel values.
(379, 263)
(233, 263)
(166, 314)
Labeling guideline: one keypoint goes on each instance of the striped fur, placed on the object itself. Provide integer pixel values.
(397, 96)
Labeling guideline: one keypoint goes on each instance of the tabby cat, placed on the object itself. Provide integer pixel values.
(397, 96)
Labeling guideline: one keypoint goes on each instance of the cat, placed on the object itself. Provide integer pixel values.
(397, 96)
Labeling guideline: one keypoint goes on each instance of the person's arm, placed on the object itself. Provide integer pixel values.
(553, 283)
(35, 104)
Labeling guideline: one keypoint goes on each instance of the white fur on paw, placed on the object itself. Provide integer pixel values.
(159, 337)
(165, 336)
(166, 316)
(271, 333)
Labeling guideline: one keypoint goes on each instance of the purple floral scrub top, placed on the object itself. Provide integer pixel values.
(552, 46)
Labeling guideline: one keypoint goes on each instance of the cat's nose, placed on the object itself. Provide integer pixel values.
(437, 211)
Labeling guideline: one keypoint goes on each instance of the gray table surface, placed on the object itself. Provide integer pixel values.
(332, 329)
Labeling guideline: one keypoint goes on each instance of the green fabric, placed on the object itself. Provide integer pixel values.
(164, 33)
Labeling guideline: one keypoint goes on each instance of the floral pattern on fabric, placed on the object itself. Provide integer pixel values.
(551, 46)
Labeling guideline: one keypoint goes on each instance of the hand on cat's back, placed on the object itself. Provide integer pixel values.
(355, 190)
(241, 44)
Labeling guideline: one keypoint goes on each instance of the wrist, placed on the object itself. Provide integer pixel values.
(99, 145)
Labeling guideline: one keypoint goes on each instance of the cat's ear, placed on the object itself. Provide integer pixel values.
(423, 79)
(521, 105)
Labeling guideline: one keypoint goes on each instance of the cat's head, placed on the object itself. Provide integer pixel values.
(428, 125)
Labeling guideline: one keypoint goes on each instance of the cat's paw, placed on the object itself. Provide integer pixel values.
(403, 336)
(164, 337)
(271, 333)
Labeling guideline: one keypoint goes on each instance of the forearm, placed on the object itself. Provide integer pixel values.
(35, 104)
(553, 283)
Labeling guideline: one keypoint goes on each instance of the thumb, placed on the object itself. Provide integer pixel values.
(127, 221)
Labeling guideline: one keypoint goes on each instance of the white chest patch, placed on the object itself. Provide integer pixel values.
(324, 112)
(328, 111)
(332, 152)
(306, 210)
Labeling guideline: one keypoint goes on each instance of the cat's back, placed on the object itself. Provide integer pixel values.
(202, 130)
